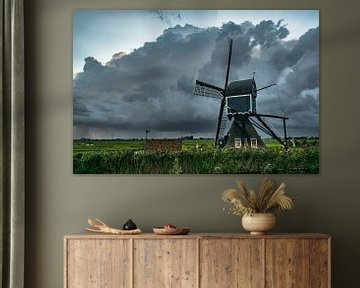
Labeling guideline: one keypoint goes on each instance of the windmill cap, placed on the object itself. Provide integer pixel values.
(241, 87)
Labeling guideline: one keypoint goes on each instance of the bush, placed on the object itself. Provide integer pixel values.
(228, 161)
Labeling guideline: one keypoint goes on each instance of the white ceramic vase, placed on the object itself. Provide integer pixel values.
(259, 223)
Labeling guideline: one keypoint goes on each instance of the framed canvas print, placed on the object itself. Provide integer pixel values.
(195, 92)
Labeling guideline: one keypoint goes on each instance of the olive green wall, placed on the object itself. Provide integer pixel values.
(59, 202)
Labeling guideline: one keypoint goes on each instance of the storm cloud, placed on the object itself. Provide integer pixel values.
(152, 87)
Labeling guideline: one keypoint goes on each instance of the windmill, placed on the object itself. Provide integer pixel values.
(238, 110)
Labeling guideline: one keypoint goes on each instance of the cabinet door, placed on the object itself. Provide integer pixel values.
(287, 263)
(98, 263)
(231, 263)
(165, 263)
(320, 263)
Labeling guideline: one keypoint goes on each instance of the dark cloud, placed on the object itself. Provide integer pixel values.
(267, 33)
(167, 16)
(79, 108)
(152, 87)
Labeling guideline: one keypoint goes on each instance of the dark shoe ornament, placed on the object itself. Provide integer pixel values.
(129, 225)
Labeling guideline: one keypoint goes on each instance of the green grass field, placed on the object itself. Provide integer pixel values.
(196, 157)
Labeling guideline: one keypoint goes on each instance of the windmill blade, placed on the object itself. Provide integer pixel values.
(228, 63)
(225, 125)
(222, 114)
(268, 86)
(201, 83)
(208, 90)
(220, 117)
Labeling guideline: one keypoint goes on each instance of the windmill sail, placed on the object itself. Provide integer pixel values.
(208, 90)
(222, 119)
(225, 125)
(221, 122)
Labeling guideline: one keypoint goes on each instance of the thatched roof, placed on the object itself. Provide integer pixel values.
(241, 87)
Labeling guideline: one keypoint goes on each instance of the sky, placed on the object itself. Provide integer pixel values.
(136, 70)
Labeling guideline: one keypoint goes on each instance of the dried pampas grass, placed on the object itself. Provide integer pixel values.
(245, 201)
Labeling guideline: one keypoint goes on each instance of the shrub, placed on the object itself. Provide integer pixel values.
(228, 161)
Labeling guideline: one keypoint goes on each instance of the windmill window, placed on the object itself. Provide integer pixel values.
(253, 143)
(237, 142)
(239, 104)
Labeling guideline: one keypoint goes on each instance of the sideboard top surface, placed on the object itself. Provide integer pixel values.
(87, 235)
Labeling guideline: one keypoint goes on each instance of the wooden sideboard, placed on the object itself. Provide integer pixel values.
(197, 260)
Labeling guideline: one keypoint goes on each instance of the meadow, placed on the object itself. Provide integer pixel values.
(198, 156)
